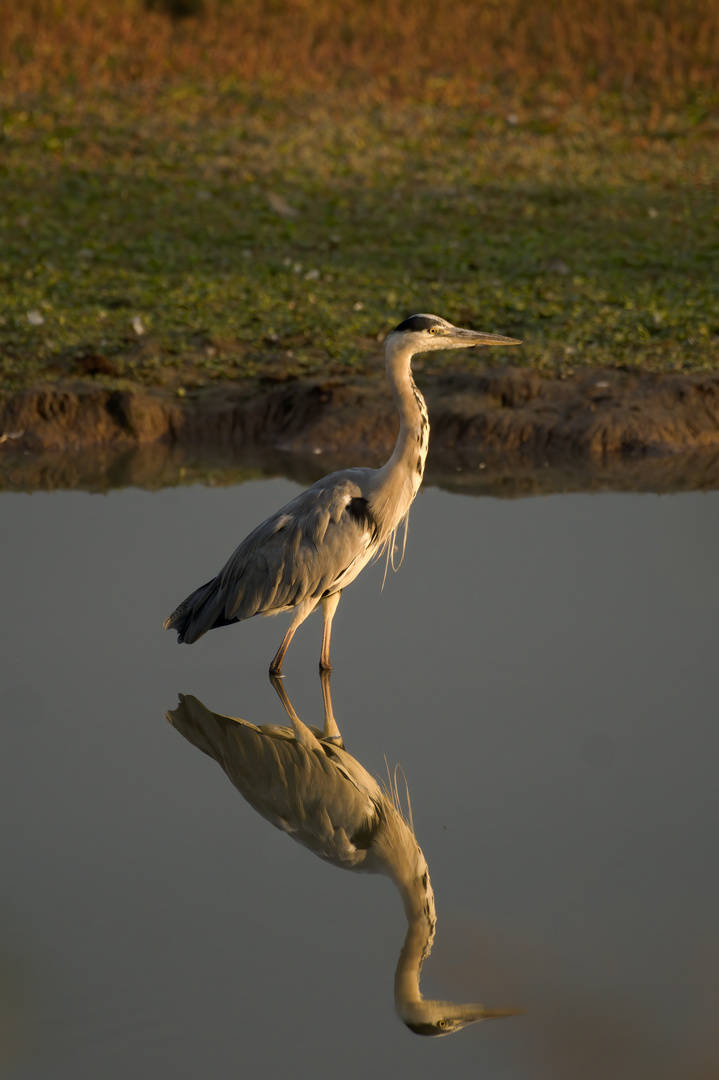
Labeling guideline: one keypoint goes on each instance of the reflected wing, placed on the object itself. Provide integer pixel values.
(330, 805)
(311, 547)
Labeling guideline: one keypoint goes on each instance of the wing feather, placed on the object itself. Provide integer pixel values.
(322, 798)
(295, 562)
(312, 546)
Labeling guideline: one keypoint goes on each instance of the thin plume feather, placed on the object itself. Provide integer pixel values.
(387, 548)
(392, 791)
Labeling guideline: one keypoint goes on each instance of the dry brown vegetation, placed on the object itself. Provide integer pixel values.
(662, 50)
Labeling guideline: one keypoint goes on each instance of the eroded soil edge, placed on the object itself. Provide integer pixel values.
(601, 417)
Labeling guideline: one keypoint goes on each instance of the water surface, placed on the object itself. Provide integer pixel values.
(545, 672)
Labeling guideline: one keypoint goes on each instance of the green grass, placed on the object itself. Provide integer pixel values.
(252, 238)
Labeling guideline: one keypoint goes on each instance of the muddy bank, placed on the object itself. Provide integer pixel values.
(594, 414)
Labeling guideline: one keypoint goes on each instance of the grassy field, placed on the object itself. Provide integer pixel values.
(168, 220)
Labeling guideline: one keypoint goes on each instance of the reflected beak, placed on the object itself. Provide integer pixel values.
(498, 1014)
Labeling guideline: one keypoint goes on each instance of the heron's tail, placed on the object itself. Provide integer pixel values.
(206, 730)
(201, 611)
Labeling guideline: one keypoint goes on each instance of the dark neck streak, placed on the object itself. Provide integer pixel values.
(418, 900)
(423, 435)
(398, 855)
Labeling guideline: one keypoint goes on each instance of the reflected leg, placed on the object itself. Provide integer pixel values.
(302, 733)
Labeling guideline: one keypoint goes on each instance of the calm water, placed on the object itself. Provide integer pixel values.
(546, 673)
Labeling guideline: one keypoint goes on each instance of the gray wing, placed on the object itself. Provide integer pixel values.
(331, 809)
(305, 550)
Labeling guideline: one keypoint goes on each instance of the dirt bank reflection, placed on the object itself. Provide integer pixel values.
(476, 472)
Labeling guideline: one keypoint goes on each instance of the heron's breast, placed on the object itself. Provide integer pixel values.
(358, 564)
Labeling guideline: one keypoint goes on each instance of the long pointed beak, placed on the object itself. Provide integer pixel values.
(498, 1014)
(470, 1014)
(458, 336)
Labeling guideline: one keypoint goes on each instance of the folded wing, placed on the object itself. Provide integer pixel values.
(310, 548)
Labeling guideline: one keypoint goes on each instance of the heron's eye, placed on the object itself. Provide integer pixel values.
(442, 1023)
(433, 329)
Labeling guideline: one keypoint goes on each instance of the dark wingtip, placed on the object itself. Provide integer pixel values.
(170, 623)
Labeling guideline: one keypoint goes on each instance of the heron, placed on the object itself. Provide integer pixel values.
(305, 554)
(303, 781)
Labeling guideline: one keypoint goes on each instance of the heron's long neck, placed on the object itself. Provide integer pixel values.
(416, 949)
(399, 480)
(406, 865)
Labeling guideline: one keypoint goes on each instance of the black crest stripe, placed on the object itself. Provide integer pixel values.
(417, 322)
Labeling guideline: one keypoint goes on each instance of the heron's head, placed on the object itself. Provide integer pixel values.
(427, 333)
(436, 1018)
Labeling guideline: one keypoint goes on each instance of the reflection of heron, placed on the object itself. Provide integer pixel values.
(306, 553)
(306, 784)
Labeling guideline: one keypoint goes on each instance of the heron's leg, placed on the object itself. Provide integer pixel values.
(329, 606)
(302, 733)
(301, 614)
(331, 732)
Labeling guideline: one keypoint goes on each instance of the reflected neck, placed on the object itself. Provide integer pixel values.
(417, 947)
(409, 871)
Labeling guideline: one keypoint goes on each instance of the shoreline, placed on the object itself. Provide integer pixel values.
(504, 431)
(593, 413)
